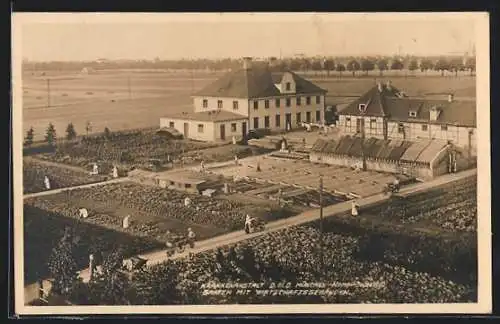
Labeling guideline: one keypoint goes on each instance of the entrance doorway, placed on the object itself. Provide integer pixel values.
(288, 121)
(244, 129)
(223, 132)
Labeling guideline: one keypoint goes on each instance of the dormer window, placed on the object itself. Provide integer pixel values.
(288, 86)
(434, 113)
(362, 108)
(413, 113)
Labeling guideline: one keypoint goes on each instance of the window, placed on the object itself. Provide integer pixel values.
(266, 122)
(205, 103)
(308, 117)
(219, 104)
(444, 127)
(318, 99)
(233, 127)
(188, 185)
(318, 115)
(256, 122)
(288, 102)
(235, 105)
(373, 123)
(171, 125)
(413, 113)
(308, 100)
(362, 107)
(278, 121)
(200, 128)
(288, 86)
(401, 128)
(424, 127)
(298, 118)
(298, 101)
(255, 105)
(266, 104)
(348, 121)
(278, 103)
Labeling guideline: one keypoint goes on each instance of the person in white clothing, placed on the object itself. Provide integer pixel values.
(248, 223)
(46, 181)
(191, 237)
(396, 184)
(115, 172)
(83, 213)
(354, 208)
(95, 169)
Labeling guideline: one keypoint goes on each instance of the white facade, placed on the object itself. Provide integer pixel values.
(311, 109)
(209, 131)
(461, 136)
(234, 105)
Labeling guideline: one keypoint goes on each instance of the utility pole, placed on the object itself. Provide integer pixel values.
(48, 92)
(322, 263)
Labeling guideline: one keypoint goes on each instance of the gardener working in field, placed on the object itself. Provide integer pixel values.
(396, 184)
(46, 182)
(191, 237)
(354, 208)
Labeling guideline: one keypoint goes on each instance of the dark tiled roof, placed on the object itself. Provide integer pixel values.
(256, 82)
(319, 145)
(393, 150)
(462, 113)
(214, 115)
(388, 104)
(375, 101)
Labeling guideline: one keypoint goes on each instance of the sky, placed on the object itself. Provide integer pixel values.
(66, 37)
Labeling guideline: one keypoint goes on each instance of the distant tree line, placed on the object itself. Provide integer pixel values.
(354, 65)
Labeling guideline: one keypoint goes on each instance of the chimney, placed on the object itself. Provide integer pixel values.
(450, 97)
(380, 87)
(247, 63)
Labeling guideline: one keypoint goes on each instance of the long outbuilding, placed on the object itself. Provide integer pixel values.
(423, 159)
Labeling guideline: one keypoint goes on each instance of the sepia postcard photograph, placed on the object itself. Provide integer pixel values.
(251, 163)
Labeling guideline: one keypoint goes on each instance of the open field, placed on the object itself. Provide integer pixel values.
(104, 99)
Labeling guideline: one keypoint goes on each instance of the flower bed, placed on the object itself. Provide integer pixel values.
(452, 207)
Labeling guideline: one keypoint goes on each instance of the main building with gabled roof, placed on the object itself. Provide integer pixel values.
(389, 114)
(256, 96)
